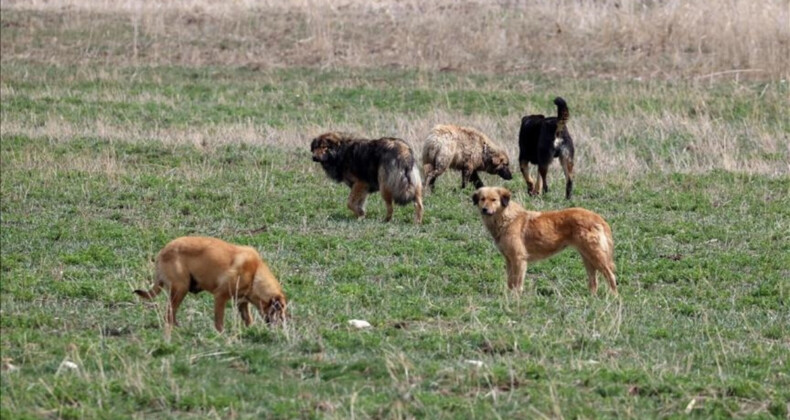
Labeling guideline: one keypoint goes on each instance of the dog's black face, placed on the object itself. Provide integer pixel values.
(504, 172)
(323, 147)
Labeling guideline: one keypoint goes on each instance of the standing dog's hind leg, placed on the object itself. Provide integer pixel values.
(567, 166)
(386, 194)
(430, 176)
(527, 178)
(542, 185)
(592, 276)
(176, 297)
(418, 206)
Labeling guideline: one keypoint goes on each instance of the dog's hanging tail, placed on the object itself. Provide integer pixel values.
(149, 294)
(402, 178)
(562, 114)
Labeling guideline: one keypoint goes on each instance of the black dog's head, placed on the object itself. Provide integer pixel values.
(324, 147)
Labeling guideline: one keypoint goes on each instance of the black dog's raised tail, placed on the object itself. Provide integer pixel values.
(562, 114)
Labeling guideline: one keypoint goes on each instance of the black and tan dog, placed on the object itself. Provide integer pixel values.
(523, 236)
(367, 166)
(229, 272)
(465, 149)
(540, 141)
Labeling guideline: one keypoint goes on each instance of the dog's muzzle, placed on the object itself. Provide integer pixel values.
(486, 212)
(319, 159)
(505, 174)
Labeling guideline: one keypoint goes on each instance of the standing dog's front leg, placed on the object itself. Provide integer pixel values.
(516, 259)
(475, 178)
(244, 311)
(356, 200)
(465, 175)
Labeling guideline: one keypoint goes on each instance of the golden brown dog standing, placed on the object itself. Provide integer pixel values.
(465, 149)
(194, 264)
(524, 236)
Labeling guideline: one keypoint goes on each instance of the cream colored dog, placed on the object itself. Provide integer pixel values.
(465, 149)
(523, 236)
(194, 264)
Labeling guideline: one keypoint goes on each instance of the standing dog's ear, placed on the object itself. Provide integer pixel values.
(475, 198)
(504, 197)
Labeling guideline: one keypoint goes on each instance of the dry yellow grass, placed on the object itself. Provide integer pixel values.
(700, 42)
(616, 38)
(714, 144)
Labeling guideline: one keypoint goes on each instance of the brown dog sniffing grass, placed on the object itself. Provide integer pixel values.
(464, 149)
(194, 264)
(524, 236)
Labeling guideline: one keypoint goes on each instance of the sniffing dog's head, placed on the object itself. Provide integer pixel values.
(491, 200)
(497, 163)
(325, 146)
(273, 311)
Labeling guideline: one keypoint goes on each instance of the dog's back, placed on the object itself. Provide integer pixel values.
(212, 258)
(528, 138)
(542, 139)
(455, 140)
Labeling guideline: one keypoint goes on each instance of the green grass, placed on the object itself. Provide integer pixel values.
(702, 264)
(703, 256)
(179, 97)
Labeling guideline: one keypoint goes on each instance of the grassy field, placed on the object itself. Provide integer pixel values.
(103, 163)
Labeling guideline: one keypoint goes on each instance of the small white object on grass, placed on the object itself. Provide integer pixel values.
(69, 365)
(7, 366)
(475, 363)
(66, 365)
(359, 323)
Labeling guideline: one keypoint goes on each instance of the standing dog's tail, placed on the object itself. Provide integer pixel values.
(404, 181)
(562, 114)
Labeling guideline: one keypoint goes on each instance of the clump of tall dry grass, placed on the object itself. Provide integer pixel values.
(611, 38)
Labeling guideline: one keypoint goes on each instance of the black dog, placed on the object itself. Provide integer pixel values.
(367, 166)
(541, 140)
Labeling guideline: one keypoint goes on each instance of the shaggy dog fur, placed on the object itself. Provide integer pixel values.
(194, 264)
(367, 166)
(464, 149)
(542, 139)
(523, 236)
